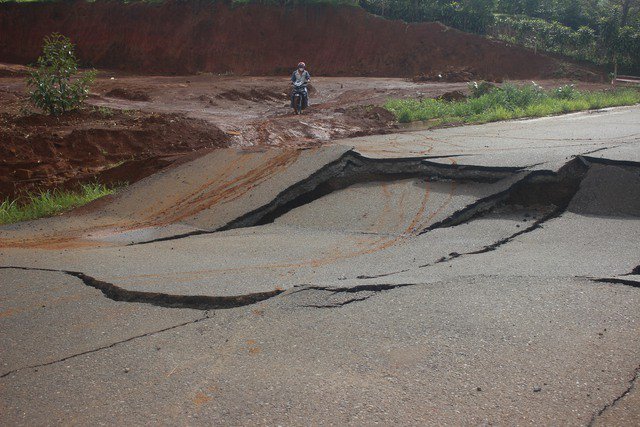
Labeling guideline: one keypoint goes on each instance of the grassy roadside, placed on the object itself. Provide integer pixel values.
(48, 203)
(490, 104)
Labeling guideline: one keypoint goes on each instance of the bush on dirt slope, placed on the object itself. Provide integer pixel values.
(55, 85)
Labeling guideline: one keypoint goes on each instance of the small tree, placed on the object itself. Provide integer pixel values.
(55, 85)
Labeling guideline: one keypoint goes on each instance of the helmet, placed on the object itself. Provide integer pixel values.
(302, 65)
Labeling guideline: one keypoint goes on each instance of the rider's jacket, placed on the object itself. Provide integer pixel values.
(297, 77)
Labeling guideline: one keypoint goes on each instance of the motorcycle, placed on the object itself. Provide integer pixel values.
(300, 97)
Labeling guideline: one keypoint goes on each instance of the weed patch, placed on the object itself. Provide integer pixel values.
(508, 102)
(48, 203)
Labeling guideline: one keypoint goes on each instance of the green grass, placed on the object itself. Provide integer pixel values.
(508, 102)
(48, 203)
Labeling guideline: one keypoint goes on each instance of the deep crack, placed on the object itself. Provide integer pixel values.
(353, 168)
(368, 290)
(601, 149)
(377, 276)
(536, 188)
(198, 302)
(634, 272)
(339, 304)
(350, 169)
(497, 244)
(353, 289)
(618, 281)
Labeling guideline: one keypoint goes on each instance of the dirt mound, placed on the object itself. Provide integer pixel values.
(131, 95)
(42, 151)
(13, 70)
(316, 127)
(456, 75)
(454, 95)
(370, 112)
(253, 95)
(187, 37)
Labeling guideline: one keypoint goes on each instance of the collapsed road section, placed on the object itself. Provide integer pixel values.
(356, 218)
(248, 222)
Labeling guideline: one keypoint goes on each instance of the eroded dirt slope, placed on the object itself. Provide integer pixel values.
(187, 37)
(114, 147)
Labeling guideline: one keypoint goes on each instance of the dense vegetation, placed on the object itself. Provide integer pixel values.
(600, 31)
(488, 103)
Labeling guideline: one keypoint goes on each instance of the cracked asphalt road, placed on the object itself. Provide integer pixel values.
(476, 275)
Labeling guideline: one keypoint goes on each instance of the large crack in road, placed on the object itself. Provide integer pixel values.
(546, 188)
(513, 289)
(348, 295)
(349, 169)
(551, 190)
(198, 302)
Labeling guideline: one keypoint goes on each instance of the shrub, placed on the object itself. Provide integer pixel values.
(513, 97)
(404, 116)
(479, 89)
(565, 92)
(55, 84)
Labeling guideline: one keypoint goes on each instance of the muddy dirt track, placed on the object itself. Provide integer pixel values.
(150, 122)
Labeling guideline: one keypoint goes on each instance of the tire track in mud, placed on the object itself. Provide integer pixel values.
(217, 180)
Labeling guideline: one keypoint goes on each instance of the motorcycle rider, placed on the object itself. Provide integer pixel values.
(301, 75)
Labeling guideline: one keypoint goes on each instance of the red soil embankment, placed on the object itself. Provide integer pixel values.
(41, 152)
(187, 37)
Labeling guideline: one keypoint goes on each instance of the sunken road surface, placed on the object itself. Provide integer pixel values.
(483, 274)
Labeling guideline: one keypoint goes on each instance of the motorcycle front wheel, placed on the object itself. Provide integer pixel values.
(299, 104)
